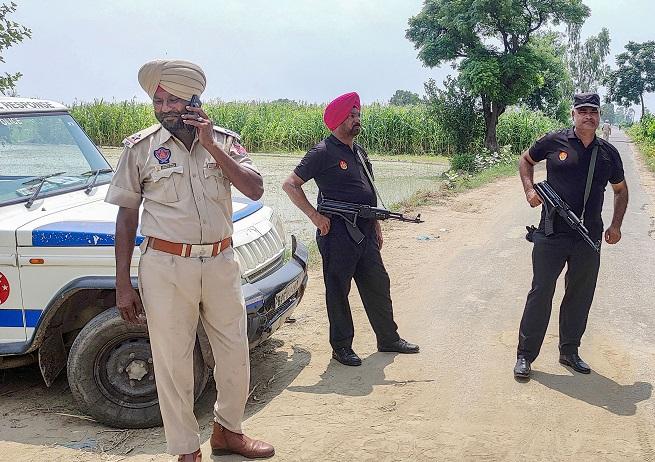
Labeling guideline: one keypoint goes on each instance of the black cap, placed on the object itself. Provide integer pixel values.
(586, 99)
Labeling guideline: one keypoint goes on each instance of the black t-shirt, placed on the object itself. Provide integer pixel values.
(338, 172)
(567, 166)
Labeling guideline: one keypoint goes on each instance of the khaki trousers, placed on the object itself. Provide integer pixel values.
(176, 291)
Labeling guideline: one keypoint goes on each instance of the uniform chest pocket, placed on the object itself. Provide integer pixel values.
(216, 185)
(162, 186)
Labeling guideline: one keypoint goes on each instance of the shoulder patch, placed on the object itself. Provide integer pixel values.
(225, 131)
(131, 140)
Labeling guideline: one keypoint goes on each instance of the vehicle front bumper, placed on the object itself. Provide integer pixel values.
(271, 300)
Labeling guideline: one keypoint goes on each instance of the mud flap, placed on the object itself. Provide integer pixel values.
(52, 357)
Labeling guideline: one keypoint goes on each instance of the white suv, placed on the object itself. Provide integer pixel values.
(57, 269)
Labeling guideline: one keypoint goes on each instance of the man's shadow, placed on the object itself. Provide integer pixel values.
(353, 381)
(598, 390)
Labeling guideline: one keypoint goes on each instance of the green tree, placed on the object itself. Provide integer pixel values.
(607, 112)
(489, 42)
(458, 112)
(553, 95)
(404, 98)
(10, 33)
(586, 61)
(619, 115)
(635, 75)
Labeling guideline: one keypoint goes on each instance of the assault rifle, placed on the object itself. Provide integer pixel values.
(350, 212)
(555, 204)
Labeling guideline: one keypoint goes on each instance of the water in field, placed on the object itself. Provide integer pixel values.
(396, 181)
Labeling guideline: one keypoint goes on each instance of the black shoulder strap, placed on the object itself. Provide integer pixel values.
(590, 177)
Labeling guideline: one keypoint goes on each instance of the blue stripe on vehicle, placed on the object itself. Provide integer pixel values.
(250, 208)
(101, 233)
(32, 317)
(14, 317)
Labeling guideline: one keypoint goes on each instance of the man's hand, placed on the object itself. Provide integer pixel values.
(129, 304)
(612, 235)
(533, 198)
(199, 119)
(378, 234)
(321, 222)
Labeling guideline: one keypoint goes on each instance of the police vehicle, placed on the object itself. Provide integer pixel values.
(57, 269)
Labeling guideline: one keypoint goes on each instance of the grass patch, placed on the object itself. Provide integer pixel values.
(456, 184)
(647, 151)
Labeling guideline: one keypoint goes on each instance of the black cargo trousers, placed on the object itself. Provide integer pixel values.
(549, 256)
(343, 261)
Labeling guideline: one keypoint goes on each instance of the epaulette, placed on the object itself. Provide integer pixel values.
(130, 141)
(225, 131)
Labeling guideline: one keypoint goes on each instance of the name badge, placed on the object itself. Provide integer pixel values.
(165, 166)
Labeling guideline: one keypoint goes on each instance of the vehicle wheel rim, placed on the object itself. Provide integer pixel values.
(124, 371)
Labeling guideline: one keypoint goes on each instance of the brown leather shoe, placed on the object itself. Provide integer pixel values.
(193, 457)
(223, 442)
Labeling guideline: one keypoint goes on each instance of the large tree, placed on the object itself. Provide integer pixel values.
(10, 33)
(489, 41)
(608, 112)
(586, 60)
(553, 95)
(404, 98)
(635, 75)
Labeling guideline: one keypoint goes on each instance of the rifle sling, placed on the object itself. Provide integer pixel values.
(368, 175)
(590, 177)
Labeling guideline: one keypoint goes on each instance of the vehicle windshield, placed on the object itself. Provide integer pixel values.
(38, 145)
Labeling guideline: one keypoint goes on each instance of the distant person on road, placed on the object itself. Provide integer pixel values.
(181, 170)
(568, 154)
(343, 172)
(607, 130)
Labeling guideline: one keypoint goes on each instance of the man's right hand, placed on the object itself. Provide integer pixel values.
(321, 222)
(533, 198)
(129, 304)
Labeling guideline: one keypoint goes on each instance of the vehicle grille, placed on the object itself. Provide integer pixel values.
(262, 256)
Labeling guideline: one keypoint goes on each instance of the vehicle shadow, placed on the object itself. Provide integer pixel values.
(353, 381)
(598, 390)
(37, 416)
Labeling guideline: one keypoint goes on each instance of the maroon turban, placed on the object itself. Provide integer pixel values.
(339, 110)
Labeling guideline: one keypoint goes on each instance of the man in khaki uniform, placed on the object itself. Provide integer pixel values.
(607, 130)
(182, 169)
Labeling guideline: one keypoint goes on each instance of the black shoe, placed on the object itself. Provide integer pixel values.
(399, 346)
(575, 362)
(346, 356)
(522, 368)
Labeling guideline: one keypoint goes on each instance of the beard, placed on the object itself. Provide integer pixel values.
(354, 131)
(173, 126)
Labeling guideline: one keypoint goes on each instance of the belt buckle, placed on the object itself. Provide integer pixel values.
(201, 250)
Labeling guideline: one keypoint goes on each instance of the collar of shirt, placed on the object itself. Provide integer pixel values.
(338, 142)
(570, 133)
(164, 135)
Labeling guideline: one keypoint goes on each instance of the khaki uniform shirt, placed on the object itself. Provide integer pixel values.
(186, 198)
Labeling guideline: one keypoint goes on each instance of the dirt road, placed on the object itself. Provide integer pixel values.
(459, 283)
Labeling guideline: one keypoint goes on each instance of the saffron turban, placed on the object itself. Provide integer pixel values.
(339, 110)
(180, 78)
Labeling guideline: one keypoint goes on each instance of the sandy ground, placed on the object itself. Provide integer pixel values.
(459, 283)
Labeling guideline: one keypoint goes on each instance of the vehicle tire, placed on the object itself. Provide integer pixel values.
(111, 376)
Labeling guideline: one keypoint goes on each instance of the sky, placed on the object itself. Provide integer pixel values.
(306, 50)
